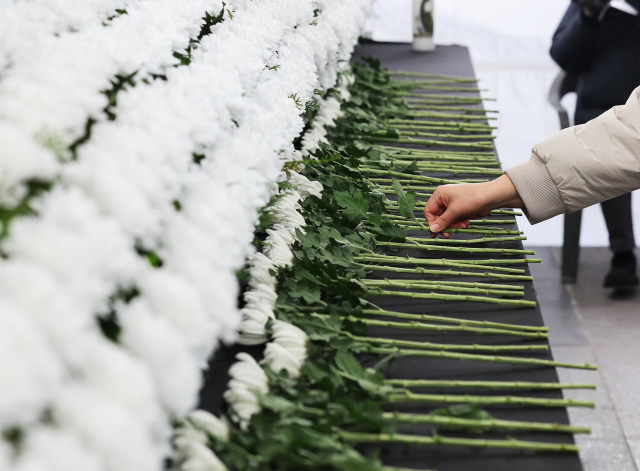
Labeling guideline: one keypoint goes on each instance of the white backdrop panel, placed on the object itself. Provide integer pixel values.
(509, 43)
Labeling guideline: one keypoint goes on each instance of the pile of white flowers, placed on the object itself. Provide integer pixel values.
(288, 348)
(69, 397)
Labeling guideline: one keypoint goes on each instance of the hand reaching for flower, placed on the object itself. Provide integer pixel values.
(451, 206)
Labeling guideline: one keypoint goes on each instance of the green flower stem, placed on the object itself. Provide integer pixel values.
(476, 156)
(425, 86)
(404, 395)
(444, 97)
(447, 248)
(452, 297)
(431, 262)
(451, 320)
(440, 165)
(416, 178)
(384, 183)
(481, 240)
(436, 163)
(424, 114)
(400, 84)
(468, 230)
(511, 443)
(450, 125)
(428, 383)
(425, 106)
(420, 242)
(470, 356)
(429, 142)
(442, 168)
(466, 327)
(506, 211)
(463, 284)
(375, 289)
(418, 194)
(420, 270)
(435, 419)
(448, 262)
(395, 468)
(482, 230)
(461, 129)
(492, 221)
(403, 73)
(408, 226)
(489, 137)
(442, 100)
(451, 347)
(441, 161)
(486, 155)
(410, 178)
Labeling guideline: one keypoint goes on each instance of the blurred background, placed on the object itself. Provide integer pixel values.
(509, 43)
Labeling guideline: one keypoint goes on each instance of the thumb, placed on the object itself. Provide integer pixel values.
(443, 221)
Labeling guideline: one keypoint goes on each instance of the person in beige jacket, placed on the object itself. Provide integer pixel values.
(574, 168)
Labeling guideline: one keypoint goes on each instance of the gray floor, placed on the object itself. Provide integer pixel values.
(590, 325)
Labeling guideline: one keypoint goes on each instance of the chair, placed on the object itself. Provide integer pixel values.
(566, 83)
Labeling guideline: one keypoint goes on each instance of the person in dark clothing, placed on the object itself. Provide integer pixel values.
(602, 46)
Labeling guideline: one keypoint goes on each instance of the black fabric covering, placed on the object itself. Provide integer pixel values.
(455, 60)
(452, 60)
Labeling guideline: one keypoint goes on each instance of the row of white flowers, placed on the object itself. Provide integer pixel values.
(108, 406)
(288, 347)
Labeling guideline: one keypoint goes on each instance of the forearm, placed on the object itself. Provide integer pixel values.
(502, 193)
(583, 165)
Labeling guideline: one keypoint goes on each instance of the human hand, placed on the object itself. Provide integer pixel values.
(592, 8)
(451, 206)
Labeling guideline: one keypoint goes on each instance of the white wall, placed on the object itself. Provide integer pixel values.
(509, 43)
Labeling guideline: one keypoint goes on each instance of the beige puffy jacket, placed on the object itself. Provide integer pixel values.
(582, 165)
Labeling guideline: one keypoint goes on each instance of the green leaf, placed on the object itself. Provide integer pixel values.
(411, 168)
(355, 206)
(406, 201)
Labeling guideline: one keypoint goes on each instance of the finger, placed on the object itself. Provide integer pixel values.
(460, 224)
(434, 203)
(444, 221)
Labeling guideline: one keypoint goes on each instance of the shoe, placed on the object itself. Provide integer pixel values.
(622, 274)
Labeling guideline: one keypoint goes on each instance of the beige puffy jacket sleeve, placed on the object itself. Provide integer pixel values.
(582, 165)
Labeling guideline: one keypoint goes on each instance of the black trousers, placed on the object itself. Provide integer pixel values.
(617, 215)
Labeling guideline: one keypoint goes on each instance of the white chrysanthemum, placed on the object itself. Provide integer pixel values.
(291, 219)
(288, 350)
(248, 379)
(257, 313)
(280, 230)
(262, 296)
(304, 186)
(260, 271)
(255, 316)
(277, 248)
(279, 358)
(291, 337)
(288, 200)
(193, 455)
(209, 423)
(251, 332)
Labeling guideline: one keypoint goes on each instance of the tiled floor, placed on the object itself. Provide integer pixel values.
(589, 324)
